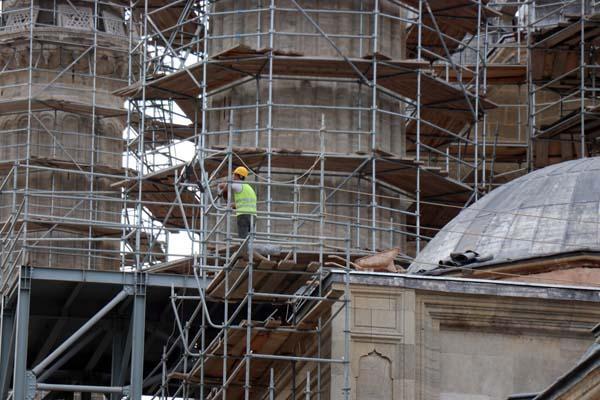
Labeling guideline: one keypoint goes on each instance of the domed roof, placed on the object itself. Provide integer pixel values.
(552, 210)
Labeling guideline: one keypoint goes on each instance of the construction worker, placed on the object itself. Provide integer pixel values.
(244, 201)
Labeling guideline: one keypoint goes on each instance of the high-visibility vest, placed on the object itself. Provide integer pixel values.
(245, 201)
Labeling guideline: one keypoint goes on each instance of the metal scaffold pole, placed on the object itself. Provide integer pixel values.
(363, 128)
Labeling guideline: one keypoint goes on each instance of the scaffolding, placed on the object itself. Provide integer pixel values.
(571, 29)
(367, 126)
(62, 149)
(338, 178)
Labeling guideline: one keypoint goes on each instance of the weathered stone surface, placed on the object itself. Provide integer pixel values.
(480, 344)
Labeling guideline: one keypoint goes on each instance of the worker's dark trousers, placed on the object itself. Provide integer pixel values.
(244, 224)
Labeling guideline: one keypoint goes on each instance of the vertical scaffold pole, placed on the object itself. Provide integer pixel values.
(346, 389)
(418, 140)
(7, 326)
(22, 334)
(271, 385)
(137, 339)
(530, 87)
(582, 66)
(24, 283)
(250, 323)
(205, 199)
(272, 8)
(479, 59)
(138, 317)
(374, 112)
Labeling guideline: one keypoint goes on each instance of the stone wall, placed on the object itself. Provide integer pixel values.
(411, 344)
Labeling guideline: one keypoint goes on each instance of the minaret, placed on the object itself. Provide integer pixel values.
(61, 142)
(293, 112)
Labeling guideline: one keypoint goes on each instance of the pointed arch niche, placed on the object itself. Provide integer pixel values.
(374, 380)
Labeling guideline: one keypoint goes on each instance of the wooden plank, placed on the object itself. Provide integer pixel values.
(275, 279)
(572, 123)
(548, 62)
(236, 346)
(166, 20)
(181, 266)
(558, 37)
(590, 34)
(283, 278)
(234, 64)
(395, 75)
(298, 279)
(271, 346)
(290, 346)
(431, 133)
(496, 74)
(259, 274)
(553, 63)
(311, 318)
(454, 18)
(160, 131)
(216, 288)
(504, 152)
(396, 171)
(269, 342)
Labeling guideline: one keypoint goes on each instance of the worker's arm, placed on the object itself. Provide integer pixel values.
(236, 187)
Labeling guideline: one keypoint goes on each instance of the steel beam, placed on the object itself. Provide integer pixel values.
(22, 335)
(138, 320)
(112, 277)
(118, 345)
(68, 355)
(78, 388)
(126, 351)
(81, 331)
(7, 330)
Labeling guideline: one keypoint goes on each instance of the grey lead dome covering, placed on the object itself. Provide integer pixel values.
(552, 210)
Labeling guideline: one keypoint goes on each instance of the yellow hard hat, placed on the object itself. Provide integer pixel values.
(241, 171)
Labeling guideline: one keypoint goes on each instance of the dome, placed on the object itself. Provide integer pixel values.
(552, 210)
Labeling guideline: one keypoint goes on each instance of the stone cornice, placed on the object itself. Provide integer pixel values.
(58, 33)
(470, 286)
(509, 315)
